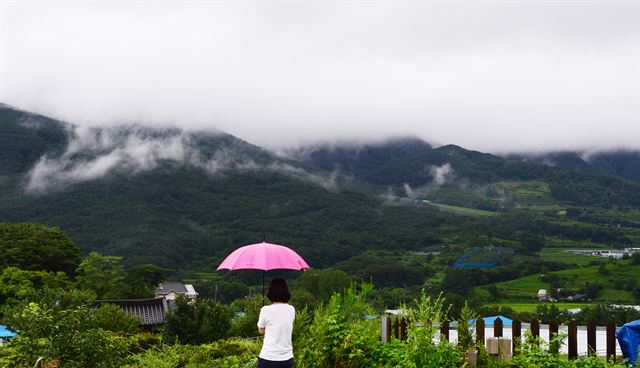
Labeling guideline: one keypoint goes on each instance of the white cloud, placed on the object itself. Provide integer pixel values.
(487, 75)
(95, 152)
(441, 174)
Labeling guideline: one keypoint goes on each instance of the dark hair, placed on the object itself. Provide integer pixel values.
(278, 291)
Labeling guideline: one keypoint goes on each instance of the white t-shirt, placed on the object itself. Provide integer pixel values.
(277, 320)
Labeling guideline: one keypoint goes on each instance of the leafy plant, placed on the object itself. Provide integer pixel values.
(60, 327)
(466, 331)
(197, 322)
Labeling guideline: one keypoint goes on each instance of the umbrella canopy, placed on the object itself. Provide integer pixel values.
(263, 256)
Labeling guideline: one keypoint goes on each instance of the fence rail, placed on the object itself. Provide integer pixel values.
(397, 328)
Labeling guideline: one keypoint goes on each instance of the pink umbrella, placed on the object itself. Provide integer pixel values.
(263, 256)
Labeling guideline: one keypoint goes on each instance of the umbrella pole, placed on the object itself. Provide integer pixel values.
(263, 272)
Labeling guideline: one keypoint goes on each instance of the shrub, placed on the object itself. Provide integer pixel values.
(197, 322)
(420, 351)
(58, 326)
(337, 336)
(231, 353)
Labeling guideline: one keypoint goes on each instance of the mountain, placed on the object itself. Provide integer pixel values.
(621, 163)
(25, 137)
(415, 163)
(184, 199)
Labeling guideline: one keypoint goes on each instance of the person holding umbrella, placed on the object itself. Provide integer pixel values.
(276, 320)
(276, 324)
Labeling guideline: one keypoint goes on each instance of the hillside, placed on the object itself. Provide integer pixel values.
(183, 199)
(621, 163)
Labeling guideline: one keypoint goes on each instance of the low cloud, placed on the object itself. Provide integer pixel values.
(94, 152)
(442, 174)
(409, 192)
(494, 76)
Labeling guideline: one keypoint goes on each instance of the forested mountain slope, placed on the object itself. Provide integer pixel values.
(184, 199)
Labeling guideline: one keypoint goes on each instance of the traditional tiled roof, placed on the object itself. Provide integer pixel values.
(166, 287)
(150, 311)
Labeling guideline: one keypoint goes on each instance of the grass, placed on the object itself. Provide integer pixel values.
(526, 288)
(532, 195)
(464, 210)
(523, 288)
(561, 255)
(531, 307)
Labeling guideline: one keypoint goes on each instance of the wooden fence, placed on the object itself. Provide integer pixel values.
(398, 329)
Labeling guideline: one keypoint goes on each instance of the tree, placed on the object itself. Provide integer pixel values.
(62, 327)
(141, 280)
(603, 270)
(197, 322)
(592, 289)
(532, 243)
(37, 247)
(104, 275)
(16, 284)
(323, 283)
(456, 281)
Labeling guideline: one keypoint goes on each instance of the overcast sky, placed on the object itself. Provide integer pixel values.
(495, 76)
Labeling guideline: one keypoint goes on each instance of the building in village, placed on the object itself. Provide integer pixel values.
(606, 253)
(152, 312)
(171, 290)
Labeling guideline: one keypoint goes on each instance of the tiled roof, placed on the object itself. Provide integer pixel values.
(150, 311)
(167, 287)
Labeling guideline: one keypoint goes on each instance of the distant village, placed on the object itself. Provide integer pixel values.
(606, 253)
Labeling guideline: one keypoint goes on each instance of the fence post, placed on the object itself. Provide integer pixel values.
(396, 328)
(516, 333)
(386, 329)
(554, 347)
(497, 327)
(591, 338)
(535, 330)
(444, 329)
(573, 340)
(480, 331)
(403, 329)
(611, 340)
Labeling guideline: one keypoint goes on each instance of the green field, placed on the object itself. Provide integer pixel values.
(531, 307)
(561, 255)
(532, 195)
(464, 210)
(619, 272)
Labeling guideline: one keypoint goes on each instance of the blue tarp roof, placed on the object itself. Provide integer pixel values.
(4, 332)
(488, 321)
(629, 339)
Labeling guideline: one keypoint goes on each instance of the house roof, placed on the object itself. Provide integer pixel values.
(489, 321)
(167, 287)
(191, 290)
(150, 311)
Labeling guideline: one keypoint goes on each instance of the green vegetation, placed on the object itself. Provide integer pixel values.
(196, 323)
(614, 280)
(333, 335)
(562, 255)
(61, 326)
(463, 210)
(349, 211)
(532, 306)
(37, 247)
